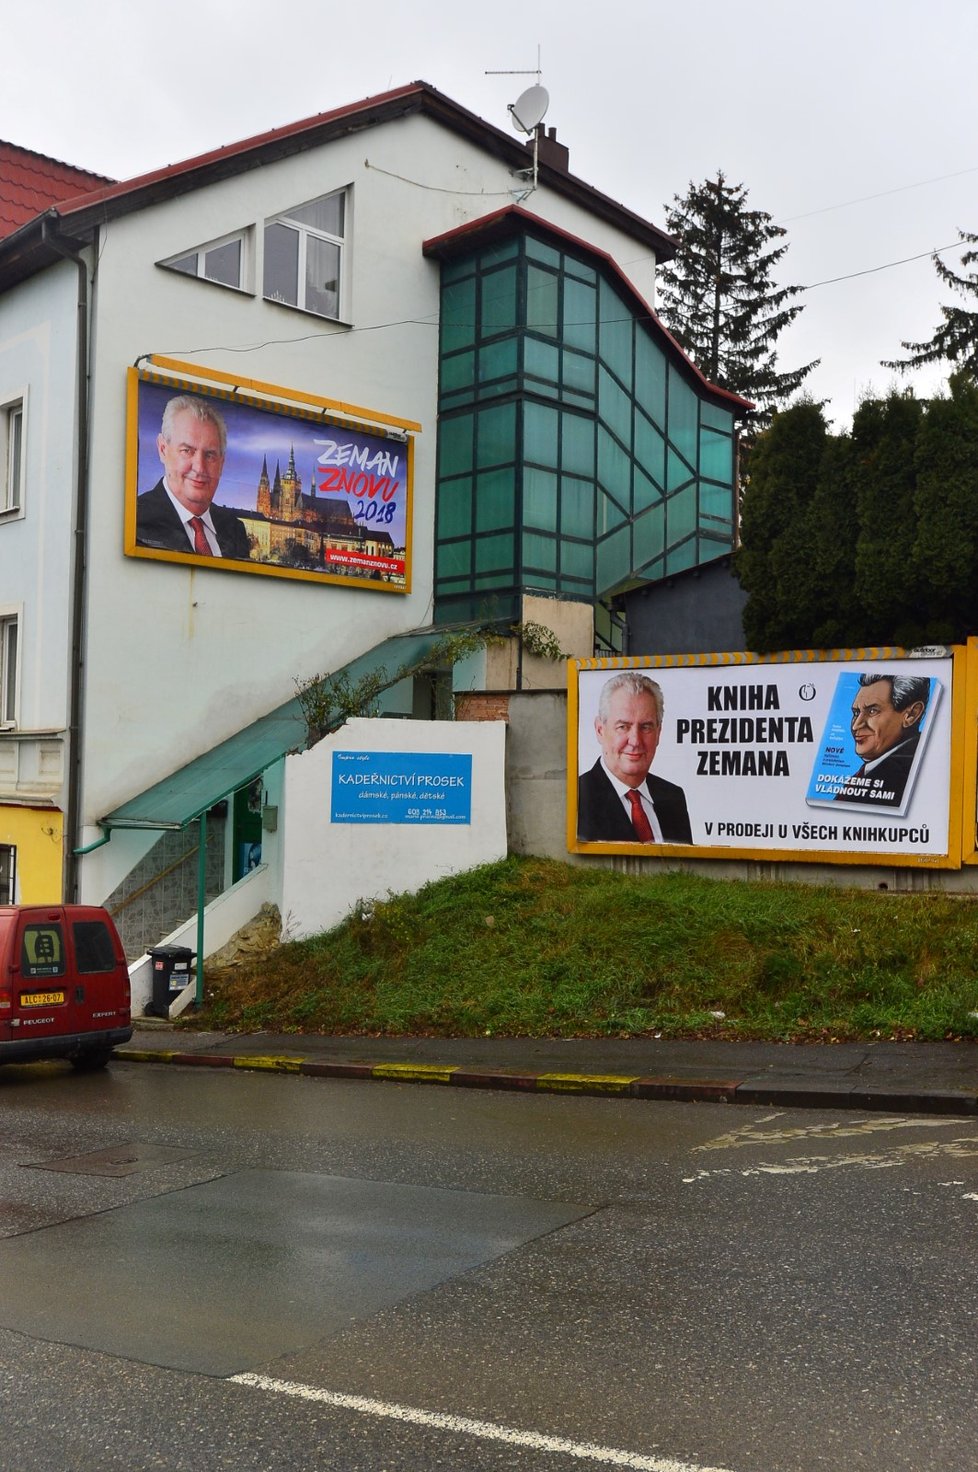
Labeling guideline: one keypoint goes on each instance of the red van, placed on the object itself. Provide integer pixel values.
(64, 985)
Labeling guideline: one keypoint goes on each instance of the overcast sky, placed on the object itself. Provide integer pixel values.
(852, 122)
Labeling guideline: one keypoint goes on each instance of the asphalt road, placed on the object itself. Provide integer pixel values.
(212, 1268)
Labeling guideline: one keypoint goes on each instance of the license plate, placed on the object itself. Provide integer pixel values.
(41, 999)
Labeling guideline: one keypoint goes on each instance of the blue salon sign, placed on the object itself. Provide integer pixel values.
(401, 787)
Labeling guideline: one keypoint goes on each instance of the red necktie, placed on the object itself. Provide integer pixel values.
(201, 544)
(640, 822)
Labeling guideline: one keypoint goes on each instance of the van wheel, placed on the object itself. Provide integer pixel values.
(89, 1062)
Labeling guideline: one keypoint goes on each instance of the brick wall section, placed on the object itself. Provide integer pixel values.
(478, 707)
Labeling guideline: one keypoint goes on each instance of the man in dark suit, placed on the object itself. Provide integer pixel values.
(177, 515)
(618, 800)
(886, 717)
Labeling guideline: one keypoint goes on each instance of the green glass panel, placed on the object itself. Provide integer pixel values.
(710, 547)
(580, 316)
(683, 416)
(613, 561)
(716, 418)
(578, 372)
(453, 585)
(677, 472)
(650, 378)
(495, 500)
(498, 359)
(455, 444)
(717, 502)
(492, 553)
(539, 582)
(577, 560)
(454, 559)
(650, 449)
(498, 389)
(542, 296)
(582, 401)
(716, 456)
(540, 499)
(580, 270)
(614, 467)
(504, 250)
(455, 507)
(498, 301)
(458, 315)
(537, 251)
(614, 406)
(451, 401)
(539, 552)
(681, 515)
(610, 514)
(496, 435)
(644, 492)
(541, 359)
(617, 323)
(649, 533)
(455, 270)
(457, 371)
(678, 559)
(541, 428)
(577, 444)
(576, 507)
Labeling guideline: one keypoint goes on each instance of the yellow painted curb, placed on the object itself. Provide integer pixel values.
(419, 1073)
(271, 1064)
(579, 1083)
(145, 1055)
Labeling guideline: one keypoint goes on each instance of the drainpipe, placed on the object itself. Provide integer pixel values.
(78, 575)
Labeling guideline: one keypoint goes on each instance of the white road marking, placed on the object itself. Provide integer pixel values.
(462, 1425)
(831, 1130)
(883, 1160)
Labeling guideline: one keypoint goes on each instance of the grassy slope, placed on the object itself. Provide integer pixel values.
(532, 947)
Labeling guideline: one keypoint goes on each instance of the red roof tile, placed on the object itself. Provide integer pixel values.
(31, 182)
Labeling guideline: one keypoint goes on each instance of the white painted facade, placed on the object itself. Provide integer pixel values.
(178, 658)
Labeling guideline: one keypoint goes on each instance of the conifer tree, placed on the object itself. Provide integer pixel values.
(718, 296)
(956, 339)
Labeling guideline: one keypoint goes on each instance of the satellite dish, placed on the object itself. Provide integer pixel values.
(529, 109)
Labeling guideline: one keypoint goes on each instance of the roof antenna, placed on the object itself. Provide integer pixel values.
(526, 115)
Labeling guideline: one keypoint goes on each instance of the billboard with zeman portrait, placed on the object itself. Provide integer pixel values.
(250, 483)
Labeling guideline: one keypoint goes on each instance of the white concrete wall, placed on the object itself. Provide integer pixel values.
(329, 867)
(37, 363)
(180, 658)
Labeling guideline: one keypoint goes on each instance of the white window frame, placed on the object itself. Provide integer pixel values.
(11, 628)
(245, 283)
(306, 232)
(13, 456)
(11, 850)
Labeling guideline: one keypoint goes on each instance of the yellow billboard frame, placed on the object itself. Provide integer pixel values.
(962, 847)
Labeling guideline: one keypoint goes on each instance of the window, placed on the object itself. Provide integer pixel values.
(304, 256)
(223, 262)
(8, 873)
(94, 950)
(12, 456)
(42, 951)
(8, 670)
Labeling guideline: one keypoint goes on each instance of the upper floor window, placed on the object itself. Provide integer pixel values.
(12, 456)
(304, 256)
(222, 261)
(8, 669)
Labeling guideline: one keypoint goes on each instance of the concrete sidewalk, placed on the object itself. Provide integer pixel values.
(937, 1078)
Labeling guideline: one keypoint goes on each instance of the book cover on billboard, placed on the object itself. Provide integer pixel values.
(873, 742)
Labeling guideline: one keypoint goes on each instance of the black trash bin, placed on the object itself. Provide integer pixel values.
(171, 973)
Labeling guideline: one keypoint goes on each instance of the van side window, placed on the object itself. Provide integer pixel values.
(42, 951)
(93, 946)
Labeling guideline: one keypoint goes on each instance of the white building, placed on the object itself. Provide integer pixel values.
(387, 267)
